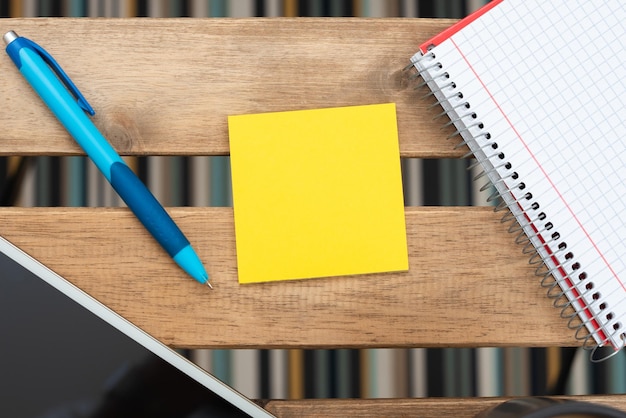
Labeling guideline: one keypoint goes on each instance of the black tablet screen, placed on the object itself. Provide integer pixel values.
(58, 359)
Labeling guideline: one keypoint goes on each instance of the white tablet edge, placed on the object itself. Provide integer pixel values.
(140, 336)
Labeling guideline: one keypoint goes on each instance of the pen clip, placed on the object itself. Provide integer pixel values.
(82, 102)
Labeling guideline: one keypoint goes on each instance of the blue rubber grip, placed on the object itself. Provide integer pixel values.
(147, 209)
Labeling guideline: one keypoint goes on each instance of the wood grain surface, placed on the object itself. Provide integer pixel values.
(468, 283)
(166, 86)
(423, 408)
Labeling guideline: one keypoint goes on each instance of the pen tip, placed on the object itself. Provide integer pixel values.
(208, 283)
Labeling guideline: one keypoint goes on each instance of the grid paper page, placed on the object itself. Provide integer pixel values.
(547, 81)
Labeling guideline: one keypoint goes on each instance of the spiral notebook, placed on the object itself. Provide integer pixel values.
(536, 89)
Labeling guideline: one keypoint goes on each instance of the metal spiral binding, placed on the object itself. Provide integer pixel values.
(560, 275)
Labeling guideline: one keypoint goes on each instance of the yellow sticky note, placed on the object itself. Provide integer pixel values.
(317, 193)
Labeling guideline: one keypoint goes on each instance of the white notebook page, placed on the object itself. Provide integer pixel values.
(546, 79)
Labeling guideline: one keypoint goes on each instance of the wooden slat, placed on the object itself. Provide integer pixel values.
(468, 284)
(166, 86)
(425, 408)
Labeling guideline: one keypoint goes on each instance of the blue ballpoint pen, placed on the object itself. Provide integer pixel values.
(51, 83)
